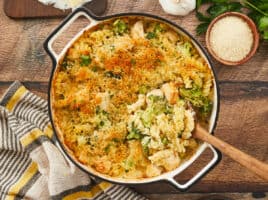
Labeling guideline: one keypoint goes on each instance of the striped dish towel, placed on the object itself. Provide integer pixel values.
(32, 166)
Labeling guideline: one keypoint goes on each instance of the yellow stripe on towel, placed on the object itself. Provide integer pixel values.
(34, 134)
(48, 131)
(15, 98)
(90, 194)
(104, 185)
(24, 179)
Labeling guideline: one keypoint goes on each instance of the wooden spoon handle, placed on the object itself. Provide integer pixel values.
(254, 165)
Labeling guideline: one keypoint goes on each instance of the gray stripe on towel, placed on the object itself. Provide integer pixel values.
(28, 185)
(79, 188)
(10, 92)
(37, 142)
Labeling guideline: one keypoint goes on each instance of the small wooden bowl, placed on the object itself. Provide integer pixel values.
(254, 32)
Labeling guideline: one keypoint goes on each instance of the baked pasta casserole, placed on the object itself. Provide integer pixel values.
(125, 97)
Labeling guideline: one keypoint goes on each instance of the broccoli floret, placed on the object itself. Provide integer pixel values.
(151, 35)
(120, 27)
(157, 29)
(155, 98)
(195, 97)
(157, 106)
(148, 116)
(134, 133)
(186, 49)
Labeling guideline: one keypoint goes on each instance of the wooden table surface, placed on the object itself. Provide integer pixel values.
(243, 119)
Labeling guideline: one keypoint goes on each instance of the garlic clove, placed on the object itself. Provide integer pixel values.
(178, 7)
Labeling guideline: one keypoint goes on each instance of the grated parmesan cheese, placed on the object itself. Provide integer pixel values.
(231, 38)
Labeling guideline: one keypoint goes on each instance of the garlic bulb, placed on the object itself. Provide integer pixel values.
(178, 7)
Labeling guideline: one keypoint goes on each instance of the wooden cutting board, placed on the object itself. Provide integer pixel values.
(35, 9)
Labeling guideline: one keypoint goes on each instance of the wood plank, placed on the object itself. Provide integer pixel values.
(246, 101)
(35, 9)
(23, 52)
(23, 57)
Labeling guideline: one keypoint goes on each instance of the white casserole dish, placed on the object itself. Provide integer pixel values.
(169, 176)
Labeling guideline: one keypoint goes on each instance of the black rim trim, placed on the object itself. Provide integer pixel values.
(54, 62)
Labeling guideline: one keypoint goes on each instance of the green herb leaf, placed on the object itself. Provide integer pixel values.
(217, 9)
(235, 6)
(263, 24)
(151, 35)
(85, 60)
(219, 1)
(64, 63)
(202, 28)
(198, 3)
(164, 140)
(102, 123)
(95, 68)
(107, 148)
(255, 16)
(265, 35)
(258, 6)
(202, 17)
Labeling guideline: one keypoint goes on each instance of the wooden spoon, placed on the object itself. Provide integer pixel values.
(252, 164)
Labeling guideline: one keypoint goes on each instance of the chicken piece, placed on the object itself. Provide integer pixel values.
(137, 30)
(152, 170)
(136, 153)
(134, 174)
(189, 124)
(155, 132)
(138, 104)
(123, 43)
(103, 165)
(172, 36)
(156, 144)
(179, 146)
(165, 158)
(171, 92)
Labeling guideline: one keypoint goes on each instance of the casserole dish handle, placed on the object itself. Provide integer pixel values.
(183, 187)
(80, 12)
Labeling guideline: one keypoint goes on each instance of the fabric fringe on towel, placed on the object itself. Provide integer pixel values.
(31, 164)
